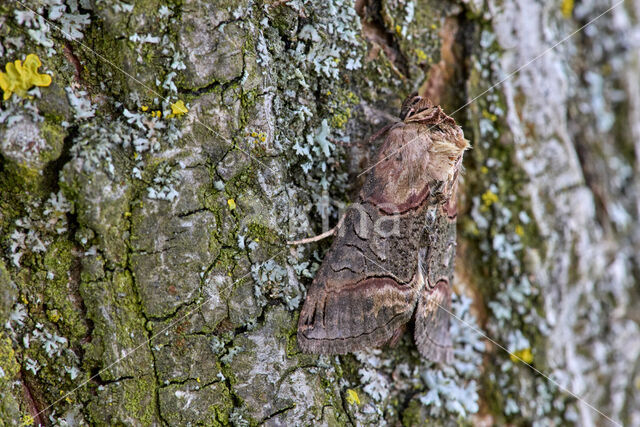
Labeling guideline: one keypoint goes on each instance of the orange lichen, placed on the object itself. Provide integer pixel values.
(19, 77)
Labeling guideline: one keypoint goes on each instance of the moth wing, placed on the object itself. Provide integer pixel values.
(354, 317)
(432, 323)
(355, 302)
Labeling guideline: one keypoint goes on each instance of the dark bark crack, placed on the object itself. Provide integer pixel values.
(278, 412)
(376, 33)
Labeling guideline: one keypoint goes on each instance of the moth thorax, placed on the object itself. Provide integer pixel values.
(444, 154)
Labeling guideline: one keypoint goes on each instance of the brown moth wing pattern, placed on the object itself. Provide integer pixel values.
(354, 301)
(376, 274)
(432, 317)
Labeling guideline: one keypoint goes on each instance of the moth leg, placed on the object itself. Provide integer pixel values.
(319, 236)
(397, 335)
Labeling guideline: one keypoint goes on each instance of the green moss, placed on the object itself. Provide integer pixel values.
(8, 363)
(291, 337)
(64, 305)
(285, 20)
(340, 120)
(114, 309)
(9, 406)
(22, 183)
(261, 233)
(227, 260)
(139, 399)
(245, 178)
(106, 34)
(339, 105)
(126, 402)
(54, 135)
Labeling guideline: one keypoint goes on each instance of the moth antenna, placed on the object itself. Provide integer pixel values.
(381, 132)
(319, 236)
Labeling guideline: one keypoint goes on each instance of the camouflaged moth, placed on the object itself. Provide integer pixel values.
(392, 258)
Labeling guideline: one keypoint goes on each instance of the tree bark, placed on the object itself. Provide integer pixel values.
(145, 276)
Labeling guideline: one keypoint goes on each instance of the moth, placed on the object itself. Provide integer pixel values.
(391, 261)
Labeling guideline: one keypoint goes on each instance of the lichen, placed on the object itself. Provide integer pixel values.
(158, 202)
(19, 77)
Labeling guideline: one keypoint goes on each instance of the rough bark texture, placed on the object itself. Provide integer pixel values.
(144, 275)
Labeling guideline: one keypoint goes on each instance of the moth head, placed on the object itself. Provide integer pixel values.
(420, 155)
(439, 134)
(414, 104)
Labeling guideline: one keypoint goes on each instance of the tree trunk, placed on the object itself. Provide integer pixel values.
(145, 277)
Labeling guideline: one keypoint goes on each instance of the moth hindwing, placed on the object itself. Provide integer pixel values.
(392, 258)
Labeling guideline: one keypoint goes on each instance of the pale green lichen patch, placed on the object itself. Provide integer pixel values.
(180, 355)
(297, 393)
(195, 401)
(100, 201)
(8, 293)
(500, 226)
(118, 328)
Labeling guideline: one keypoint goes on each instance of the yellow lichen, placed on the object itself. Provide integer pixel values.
(66, 398)
(489, 198)
(19, 77)
(352, 397)
(257, 136)
(340, 120)
(567, 8)
(488, 115)
(54, 316)
(231, 203)
(177, 109)
(522, 356)
(27, 420)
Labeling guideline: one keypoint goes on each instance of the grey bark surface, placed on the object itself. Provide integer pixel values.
(145, 277)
